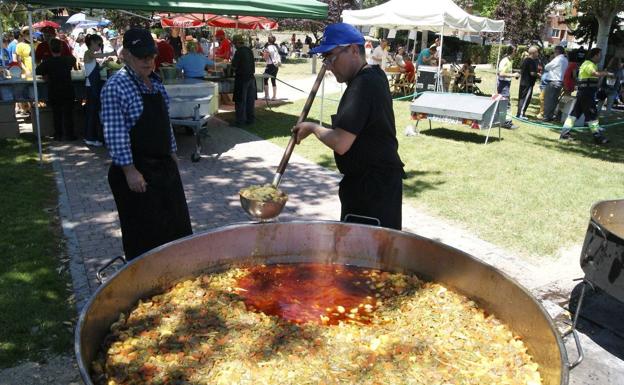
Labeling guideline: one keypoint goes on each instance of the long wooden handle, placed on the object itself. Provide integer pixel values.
(293, 139)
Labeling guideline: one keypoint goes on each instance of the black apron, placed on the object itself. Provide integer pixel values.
(160, 214)
(95, 80)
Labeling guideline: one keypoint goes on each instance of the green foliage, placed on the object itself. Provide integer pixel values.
(545, 52)
(482, 7)
(12, 15)
(479, 54)
(371, 3)
(524, 20)
(122, 21)
(33, 293)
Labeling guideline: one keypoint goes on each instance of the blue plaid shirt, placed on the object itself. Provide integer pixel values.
(122, 106)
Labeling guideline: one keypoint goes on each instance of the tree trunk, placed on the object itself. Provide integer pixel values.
(602, 40)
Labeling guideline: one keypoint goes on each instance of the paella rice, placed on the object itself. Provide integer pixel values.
(206, 331)
(263, 193)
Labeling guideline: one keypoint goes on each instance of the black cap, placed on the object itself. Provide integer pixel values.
(139, 42)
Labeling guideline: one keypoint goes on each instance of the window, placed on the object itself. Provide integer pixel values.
(555, 32)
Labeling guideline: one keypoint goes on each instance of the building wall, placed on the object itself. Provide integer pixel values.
(556, 30)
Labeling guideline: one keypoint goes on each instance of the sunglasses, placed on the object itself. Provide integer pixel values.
(329, 60)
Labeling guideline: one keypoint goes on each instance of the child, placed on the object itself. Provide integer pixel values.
(93, 131)
(57, 70)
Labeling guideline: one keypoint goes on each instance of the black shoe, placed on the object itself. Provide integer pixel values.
(566, 137)
(70, 138)
(600, 139)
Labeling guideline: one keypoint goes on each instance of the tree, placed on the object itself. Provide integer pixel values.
(585, 30)
(605, 12)
(484, 8)
(122, 20)
(524, 19)
(13, 14)
(317, 26)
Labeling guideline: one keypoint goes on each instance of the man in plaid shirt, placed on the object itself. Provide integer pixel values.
(143, 176)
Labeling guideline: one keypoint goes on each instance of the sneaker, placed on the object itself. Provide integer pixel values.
(600, 139)
(94, 143)
(566, 137)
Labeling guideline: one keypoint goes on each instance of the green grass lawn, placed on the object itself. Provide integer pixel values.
(33, 289)
(528, 192)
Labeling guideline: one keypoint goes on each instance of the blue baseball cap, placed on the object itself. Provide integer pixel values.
(339, 34)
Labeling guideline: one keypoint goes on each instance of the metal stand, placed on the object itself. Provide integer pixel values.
(197, 123)
(429, 120)
(574, 323)
(492, 122)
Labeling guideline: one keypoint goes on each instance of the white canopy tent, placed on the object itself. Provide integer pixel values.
(431, 15)
(443, 16)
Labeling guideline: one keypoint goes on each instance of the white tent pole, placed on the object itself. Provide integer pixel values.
(439, 83)
(34, 80)
(415, 39)
(500, 44)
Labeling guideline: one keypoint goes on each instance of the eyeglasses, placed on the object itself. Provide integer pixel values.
(329, 60)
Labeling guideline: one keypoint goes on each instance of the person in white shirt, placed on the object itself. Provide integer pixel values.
(379, 53)
(554, 72)
(79, 48)
(368, 47)
(398, 58)
(273, 61)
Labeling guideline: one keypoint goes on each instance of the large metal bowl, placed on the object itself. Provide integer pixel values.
(324, 242)
(262, 211)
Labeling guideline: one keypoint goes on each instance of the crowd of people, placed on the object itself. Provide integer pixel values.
(560, 76)
(97, 52)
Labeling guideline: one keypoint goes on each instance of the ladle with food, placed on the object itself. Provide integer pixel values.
(267, 201)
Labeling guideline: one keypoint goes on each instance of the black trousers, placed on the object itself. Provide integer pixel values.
(271, 69)
(245, 101)
(586, 104)
(377, 194)
(524, 98)
(156, 216)
(63, 117)
(93, 129)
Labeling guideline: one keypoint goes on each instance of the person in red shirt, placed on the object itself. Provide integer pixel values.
(409, 69)
(571, 72)
(43, 51)
(165, 53)
(224, 51)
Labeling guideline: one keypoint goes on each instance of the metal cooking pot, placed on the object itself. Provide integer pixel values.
(602, 258)
(328, 242)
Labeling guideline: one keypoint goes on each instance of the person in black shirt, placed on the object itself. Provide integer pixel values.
(57, 71)
(176, 42)
(363, 132)
(244, 82)
(528, 75)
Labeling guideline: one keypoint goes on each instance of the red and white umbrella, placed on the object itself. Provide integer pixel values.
(46, 23)
(245, 22)
(194, 20)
